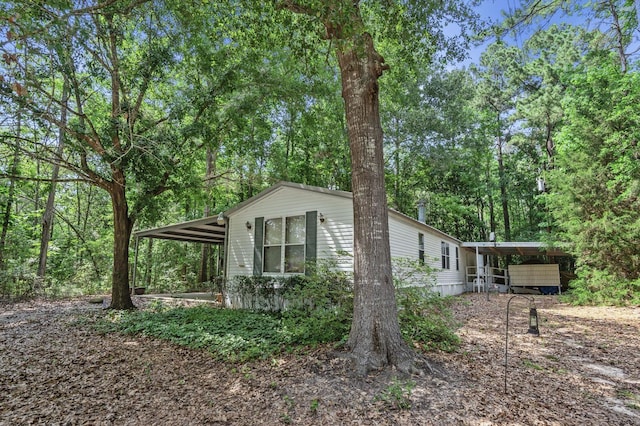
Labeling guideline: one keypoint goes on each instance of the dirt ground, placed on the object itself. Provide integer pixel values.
(584, 369)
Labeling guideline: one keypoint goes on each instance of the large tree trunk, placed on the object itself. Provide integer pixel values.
(122, 226)
(375, 339)
(204, 273)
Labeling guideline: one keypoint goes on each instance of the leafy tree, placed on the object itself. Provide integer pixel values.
(496, 95)
(375, 339)
(596, 181)
(120, 60)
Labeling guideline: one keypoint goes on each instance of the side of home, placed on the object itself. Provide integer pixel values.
(278, 230)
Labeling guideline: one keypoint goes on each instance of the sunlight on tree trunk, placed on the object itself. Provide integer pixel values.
(375, 339)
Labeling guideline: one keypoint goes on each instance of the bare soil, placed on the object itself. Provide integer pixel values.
(584, 369)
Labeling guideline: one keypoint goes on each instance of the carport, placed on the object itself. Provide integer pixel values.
(208, 230)
(482, 275)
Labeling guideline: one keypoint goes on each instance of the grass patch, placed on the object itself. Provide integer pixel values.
(632, 399)
(530, 364)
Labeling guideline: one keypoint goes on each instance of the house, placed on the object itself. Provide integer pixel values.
(277, 231)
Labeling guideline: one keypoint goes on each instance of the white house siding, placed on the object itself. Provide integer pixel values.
(403, 239)
(334, 235)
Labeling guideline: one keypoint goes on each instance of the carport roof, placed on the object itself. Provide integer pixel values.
(206, 230)
(523, 248)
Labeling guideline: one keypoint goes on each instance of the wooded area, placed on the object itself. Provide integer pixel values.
(120, 114)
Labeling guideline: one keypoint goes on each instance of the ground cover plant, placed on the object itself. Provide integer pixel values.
(239, 335)
(317, 309)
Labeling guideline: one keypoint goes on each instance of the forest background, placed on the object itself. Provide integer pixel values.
(125, 115)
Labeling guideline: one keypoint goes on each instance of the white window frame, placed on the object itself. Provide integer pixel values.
(283, 245)
(445, 255)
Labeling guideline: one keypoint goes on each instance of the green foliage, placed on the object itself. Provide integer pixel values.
(229, 335)
(596, 182)
(318, 307)
(318, 310)
(397, 396)
(16, 283)
(315, 308)
(425, 320)
(596, 287)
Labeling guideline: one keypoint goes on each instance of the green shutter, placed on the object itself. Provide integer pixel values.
(311, 231)
(258, 235)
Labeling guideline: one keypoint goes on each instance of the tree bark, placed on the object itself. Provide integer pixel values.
(375, 339)
(122, 226)
(503, 191)
(47, 216)
(6, 218)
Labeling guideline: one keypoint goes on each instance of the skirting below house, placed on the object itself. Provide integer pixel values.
(450, 289)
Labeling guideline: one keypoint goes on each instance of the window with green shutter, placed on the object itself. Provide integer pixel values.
(285, 244)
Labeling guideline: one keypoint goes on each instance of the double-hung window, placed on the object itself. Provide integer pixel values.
(284, 242)
(421, 248)
(446, 258)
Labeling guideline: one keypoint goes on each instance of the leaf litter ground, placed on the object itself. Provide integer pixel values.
(583, 370)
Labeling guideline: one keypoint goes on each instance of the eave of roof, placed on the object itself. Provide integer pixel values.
(522, 248)
(205, 230)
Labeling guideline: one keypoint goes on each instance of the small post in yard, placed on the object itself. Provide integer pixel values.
(533, 329)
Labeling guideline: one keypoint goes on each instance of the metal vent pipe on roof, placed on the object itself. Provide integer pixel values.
(422, 211)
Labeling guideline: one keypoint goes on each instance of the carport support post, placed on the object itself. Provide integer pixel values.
(486, 279)
(477, 269)
(135, 266)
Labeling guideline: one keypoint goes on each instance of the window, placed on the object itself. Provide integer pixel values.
(444, 249)
(457, 259)
(284, 245)
(421, 248)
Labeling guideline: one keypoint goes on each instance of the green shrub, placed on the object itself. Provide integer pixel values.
(596, 287)
(318, 309)
(318, 306)
(424, 316)
(425, 319)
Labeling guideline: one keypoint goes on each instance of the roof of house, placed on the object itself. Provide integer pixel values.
(212, 230)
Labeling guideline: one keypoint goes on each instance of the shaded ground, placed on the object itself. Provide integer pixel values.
(583, 370)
